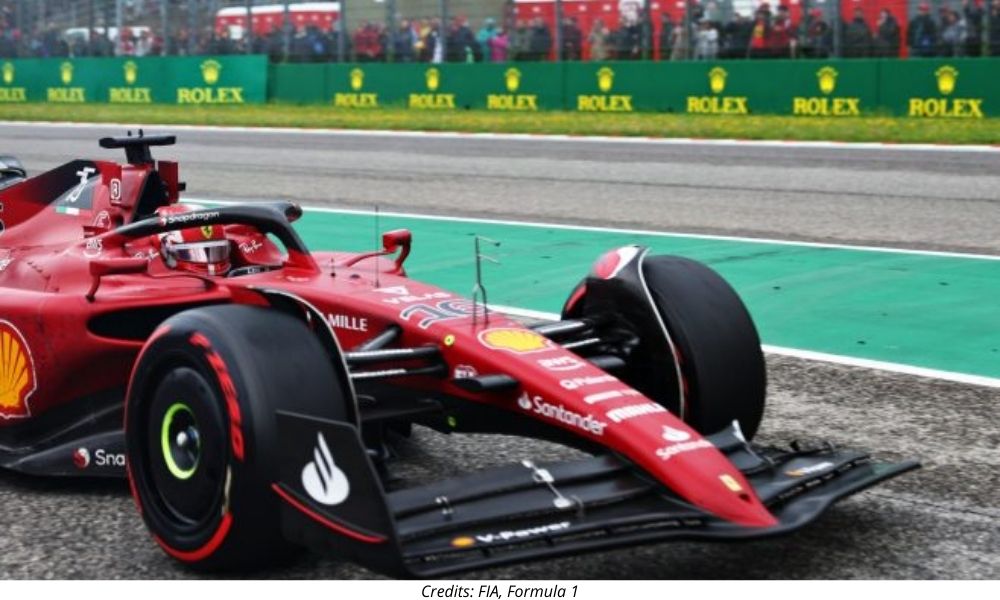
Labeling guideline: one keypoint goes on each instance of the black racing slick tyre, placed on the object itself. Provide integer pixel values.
(718, 348)
(201, 433)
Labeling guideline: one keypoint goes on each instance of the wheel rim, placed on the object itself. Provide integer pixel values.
(180, 441)
(186, 450)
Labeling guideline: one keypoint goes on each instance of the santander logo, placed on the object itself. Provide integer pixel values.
(322, 480)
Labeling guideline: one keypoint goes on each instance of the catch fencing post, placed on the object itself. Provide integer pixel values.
(118, 27)
(688, 31)
(837, 29)
(164, 27)
(987, 43)
(443, 34)
(286, 26)
(342, 32)
(249, 30)
(558, 33)
(391, 30)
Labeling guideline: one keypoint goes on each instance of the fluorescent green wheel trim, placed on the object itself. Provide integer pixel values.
(172, 445)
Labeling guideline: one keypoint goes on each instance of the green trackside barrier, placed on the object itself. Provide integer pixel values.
(502, 87)
(919, 88)
(730, 88)
(837, 88)
(931, 88)
(173, 80)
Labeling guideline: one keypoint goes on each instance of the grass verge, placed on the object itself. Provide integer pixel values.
(863, 129)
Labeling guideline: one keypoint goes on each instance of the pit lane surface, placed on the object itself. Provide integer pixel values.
(943, 521)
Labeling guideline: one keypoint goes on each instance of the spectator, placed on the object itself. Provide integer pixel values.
(404, 43)
(922, 36)
(366, 43)
(973, 13)
(760, 34)
(520, 42)
(598, 40)
(679, 48)
(736, 37)
(953, 33)
(540, 40)
(995, 29)
(663, 40)
(887, 36)
(485, 34)
(434, 43)
(781, 40)
(857, 37)
(706, 45)
(819, 37)
(499, 45)
(572, 39)
(629, 46)
(461, 43)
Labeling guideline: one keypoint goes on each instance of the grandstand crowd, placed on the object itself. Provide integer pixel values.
(959, 29)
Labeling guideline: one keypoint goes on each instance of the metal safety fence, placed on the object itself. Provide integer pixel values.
(476, 31)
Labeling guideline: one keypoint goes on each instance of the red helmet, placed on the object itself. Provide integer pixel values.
(203, 250)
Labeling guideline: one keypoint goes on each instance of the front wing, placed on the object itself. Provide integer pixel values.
(526, 511)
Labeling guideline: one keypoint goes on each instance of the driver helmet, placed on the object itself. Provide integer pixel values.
(202, 250)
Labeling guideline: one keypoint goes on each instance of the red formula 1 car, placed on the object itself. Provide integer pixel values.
(248, 387)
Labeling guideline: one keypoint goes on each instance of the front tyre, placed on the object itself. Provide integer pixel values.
(200, 429)
(717, 345)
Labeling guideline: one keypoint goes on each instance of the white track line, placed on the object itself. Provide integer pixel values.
(520, 137)
(614, 230)
(850, 361)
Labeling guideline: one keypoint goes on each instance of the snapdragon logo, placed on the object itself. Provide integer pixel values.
(322, 480)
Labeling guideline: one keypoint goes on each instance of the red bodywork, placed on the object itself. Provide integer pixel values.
(50, 251)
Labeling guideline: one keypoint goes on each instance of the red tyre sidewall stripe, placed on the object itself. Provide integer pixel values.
(199, 554)
(340, 529)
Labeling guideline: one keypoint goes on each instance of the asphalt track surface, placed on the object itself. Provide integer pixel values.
(940, 522)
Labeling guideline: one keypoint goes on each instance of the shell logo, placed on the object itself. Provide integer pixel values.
(717, 80)
(827, 77)
(131, 72)
(730, 482)
(518, 341)
(512, 78)
(8, 73)
(946, 78)
(605, 79)
(357, 79)
(433, 77)
(17, 373)
(66, 73)
(210, 71)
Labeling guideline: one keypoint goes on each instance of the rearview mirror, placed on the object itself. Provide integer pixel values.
(113, 266)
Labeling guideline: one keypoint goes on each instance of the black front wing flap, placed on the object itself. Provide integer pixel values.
(526, 511)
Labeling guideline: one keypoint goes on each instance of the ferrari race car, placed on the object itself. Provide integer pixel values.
(251, 390)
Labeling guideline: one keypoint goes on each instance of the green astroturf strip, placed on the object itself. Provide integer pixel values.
(925, 311)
